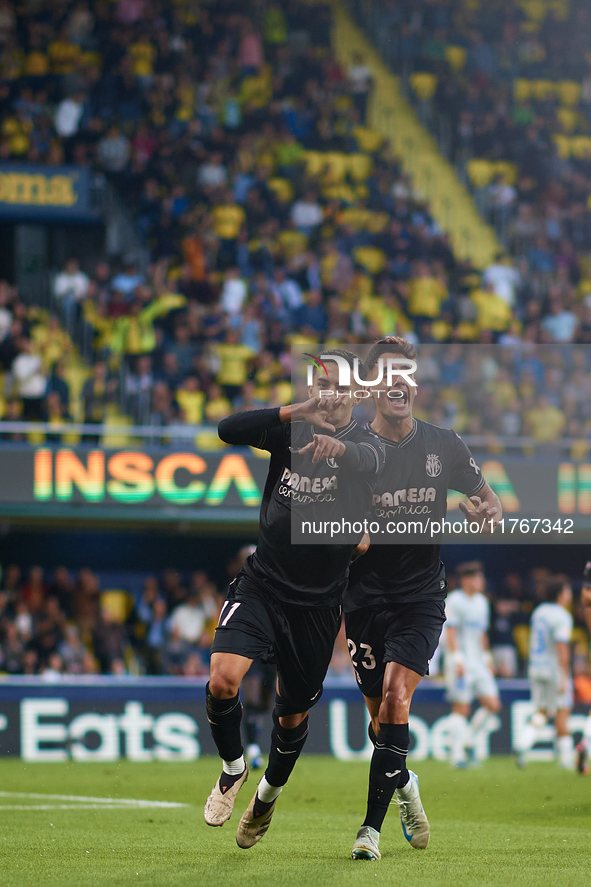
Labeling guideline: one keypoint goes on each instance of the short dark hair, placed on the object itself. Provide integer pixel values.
(554, 586)
(469, 568)
(389, 345)
(337, 352)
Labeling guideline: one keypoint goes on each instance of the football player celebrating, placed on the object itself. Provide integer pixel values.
(285, 604)
(394, 605)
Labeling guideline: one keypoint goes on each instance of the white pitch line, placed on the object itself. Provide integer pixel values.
(77, 806)
(99, 802)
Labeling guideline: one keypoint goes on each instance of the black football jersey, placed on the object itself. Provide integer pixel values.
(411, 491)
(310, 574)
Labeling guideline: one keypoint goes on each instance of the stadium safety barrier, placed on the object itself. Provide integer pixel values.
(144, 482)
(164, 719)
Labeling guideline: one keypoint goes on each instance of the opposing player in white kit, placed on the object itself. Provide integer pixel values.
(549, 672)
(468, 665)
(584, 745)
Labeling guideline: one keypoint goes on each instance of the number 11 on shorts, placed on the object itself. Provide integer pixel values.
(223, 620)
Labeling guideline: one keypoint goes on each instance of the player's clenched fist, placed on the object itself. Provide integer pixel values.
(323, 447)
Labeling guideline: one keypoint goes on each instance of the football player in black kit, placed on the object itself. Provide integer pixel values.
(394, 605)
(285, 604)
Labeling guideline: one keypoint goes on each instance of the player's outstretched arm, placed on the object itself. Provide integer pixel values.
(487, 508)
(249, 429)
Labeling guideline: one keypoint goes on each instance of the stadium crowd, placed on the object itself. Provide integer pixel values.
(59, 622)
(272, 213)
(506, 87)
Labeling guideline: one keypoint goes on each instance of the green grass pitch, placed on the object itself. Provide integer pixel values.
(491, 826)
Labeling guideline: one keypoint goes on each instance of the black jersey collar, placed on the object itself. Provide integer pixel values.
(397, 444)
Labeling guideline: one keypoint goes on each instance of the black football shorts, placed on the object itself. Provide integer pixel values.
(298, 639)
(407, 633)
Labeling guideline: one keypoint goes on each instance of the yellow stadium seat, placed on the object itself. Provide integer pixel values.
(71, 438)
(208, 442)
(368, 139)
(569, 92)
(423, 84)
(260, 454)
(117, 602)
(581, 146)
(568, 118)
(36, 438)
(315, 162)
(343, 192)
(543, 89)
(114, 419)
(282, 188)
(336, 164)
(441, 330)
(372, 259)
(377, 222)
(560, 8)
(563, 145)
(343, 103)
(466, 331)
(535, 10)
(522, 89)
(283, 391)
(360, 167)
(480, 172)
(521, 640)
(456, 56)
(75, 376)
(580, 636)
(508, 171)
(292, 243)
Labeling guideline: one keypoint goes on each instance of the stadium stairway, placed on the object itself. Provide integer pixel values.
(390, 114)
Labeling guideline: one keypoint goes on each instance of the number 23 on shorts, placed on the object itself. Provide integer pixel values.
(367, 659)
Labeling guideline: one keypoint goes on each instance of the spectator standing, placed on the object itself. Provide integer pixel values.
(30, 381)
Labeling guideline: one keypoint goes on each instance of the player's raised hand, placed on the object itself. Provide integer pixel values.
(323, 447)
(316, 411)
(482, 514)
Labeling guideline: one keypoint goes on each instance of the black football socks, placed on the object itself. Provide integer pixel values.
(387, 771)
(224, 716)
(286, 747)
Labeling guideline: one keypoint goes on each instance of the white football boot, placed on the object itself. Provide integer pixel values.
(366, 844)
(415, 824)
